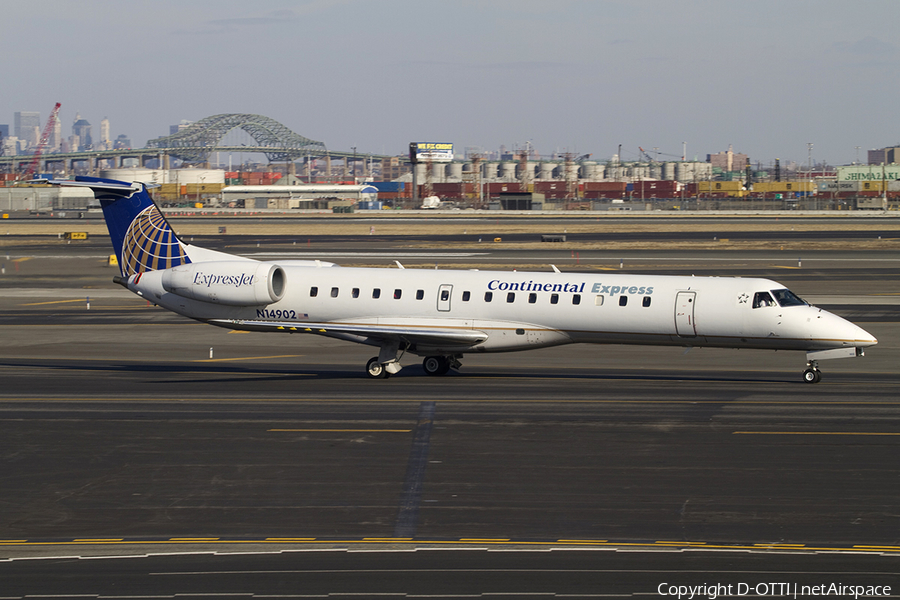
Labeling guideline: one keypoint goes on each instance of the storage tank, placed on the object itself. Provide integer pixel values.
(684, 172)
(437, 171)
(703, 170)
(489, 170)
(668, 171)
(456, 171)
(531, 170)
(546, 170)
(589, 170)
(205, 176)
(421, 172)
(148, 176)
(640, 171)
(508, 171)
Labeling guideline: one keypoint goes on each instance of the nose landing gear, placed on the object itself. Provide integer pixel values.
(812, 374)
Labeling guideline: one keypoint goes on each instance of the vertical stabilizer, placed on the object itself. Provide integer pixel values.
(141, 236)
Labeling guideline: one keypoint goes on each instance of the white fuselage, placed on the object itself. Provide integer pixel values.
(517, 310)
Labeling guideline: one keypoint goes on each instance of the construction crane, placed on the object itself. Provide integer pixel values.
(650, 159)
(45, 137)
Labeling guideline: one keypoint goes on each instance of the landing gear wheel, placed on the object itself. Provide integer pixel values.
(375, 369)
(436, 365)
(812, 375)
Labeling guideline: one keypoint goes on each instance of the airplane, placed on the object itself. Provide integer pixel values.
(442, 315)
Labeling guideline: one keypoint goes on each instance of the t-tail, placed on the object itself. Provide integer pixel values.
(141, 237)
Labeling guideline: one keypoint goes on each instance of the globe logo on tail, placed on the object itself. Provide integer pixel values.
(150, 245)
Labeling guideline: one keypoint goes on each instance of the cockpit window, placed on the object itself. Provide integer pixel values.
(762, 299)
(787, 298)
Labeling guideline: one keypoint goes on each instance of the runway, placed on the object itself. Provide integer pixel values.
(129, 430)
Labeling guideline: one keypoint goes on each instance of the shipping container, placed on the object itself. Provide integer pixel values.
(453, 190)
(495, 189)
(704, 187)
(770, 187)
(658, 189)
(598, 194)
(604, 186)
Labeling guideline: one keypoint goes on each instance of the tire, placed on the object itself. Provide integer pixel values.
(433, 365)
(375, 369)
(811, 376)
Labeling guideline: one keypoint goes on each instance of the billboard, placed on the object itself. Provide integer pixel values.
(868, 172)
(420, 152)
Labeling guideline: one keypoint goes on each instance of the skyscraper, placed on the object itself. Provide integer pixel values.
(56, 138)
(105, 143)
(82, 130)
(28, 127)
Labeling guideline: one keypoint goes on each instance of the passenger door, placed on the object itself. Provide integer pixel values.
(684, 314)
(444, 294)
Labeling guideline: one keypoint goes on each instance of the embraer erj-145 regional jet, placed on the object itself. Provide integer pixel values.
(443, 314)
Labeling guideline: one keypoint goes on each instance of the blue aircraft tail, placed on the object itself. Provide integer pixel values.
(141, 236)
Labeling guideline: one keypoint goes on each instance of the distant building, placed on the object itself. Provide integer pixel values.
(884, 155)
(123, 142)
(54, 144)
(728, 161)
(173, 129)
(105, 142)
(10, 145)
(81, 130)
(28, 127)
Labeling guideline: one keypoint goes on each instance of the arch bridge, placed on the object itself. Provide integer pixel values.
(196, 142)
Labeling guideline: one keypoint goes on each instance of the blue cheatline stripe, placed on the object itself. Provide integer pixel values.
(408, 515)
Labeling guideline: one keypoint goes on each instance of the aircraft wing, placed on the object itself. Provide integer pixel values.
(420, 335)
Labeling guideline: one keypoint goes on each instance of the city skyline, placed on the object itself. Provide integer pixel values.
(766, 78)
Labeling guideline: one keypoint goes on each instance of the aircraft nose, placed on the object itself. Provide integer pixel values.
(846, 333)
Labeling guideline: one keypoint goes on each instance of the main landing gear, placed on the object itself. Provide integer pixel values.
(812, 374)
(440, 365)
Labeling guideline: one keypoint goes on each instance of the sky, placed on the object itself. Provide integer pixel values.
(767, 77)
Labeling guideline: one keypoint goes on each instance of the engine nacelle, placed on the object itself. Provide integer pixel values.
(235, 283)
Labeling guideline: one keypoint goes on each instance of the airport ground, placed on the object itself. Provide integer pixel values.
(248, 463)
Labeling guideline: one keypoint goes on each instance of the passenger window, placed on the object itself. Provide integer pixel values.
(420, 294)
(576, 299)
(488, 296)
(532, 298)
(510, 296)
(313, 292)
(762, 300)
(554, 298)
(397, 293)
(623, 300)
(376, 293)
(646, 301)
(355, 292)
(598, 300)
(466, 296)
(334, 292)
